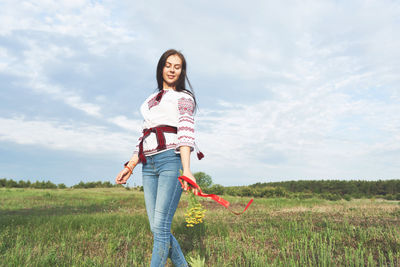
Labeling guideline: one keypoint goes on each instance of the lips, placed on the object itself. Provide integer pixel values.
(171, 76)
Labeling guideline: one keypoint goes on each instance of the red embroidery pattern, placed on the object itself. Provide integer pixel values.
(153, 102)
(186, 118)
(186, 121)
(184, 144)
(168, 146)
(184, 128)
(186, 106)
(185, 136)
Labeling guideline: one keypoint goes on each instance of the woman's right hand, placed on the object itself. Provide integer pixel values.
(123, 176)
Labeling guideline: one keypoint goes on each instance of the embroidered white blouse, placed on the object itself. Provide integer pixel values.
(175, 109)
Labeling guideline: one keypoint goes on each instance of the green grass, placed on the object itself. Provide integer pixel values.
(108, 227)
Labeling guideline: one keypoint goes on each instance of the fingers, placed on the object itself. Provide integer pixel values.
(122, 181)
(119, 181)
(122, 177)
(187, 187)
(118, 178)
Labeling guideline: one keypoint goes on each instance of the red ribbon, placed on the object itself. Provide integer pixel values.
(216, 198)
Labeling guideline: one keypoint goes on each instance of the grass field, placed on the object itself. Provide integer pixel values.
(108, 227)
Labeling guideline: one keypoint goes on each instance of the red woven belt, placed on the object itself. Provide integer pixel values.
(216, 198)
(159, 131)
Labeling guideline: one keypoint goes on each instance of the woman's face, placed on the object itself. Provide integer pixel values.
(172, 70)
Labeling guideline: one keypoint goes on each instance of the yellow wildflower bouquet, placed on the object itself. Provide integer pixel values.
(195, 212)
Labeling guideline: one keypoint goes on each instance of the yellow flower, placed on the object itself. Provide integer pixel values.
(195, 212)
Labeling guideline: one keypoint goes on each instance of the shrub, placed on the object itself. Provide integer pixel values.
(203, 180)
(216, 189)
(305, 195)
(347, 197)
(11, 183)
(246, 192)
(280, 192)
(230, 191)
(61, 186)
(329, 196)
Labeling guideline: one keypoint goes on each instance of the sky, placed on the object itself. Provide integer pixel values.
(286, 90)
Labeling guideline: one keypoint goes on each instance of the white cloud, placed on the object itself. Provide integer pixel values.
(42, 27)
(86, 139)
(128, 124)
(325, 75)
(324, 134)
(65, 96)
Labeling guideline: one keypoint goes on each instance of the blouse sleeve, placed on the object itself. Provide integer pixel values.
(185, 133)
(136, 151)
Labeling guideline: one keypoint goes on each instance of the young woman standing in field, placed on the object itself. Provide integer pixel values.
(164, 149)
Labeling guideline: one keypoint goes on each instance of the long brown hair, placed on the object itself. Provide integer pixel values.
(180, 85)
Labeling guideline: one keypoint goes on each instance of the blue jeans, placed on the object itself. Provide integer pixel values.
(162, 192)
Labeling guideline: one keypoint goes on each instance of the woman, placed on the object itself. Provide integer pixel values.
(164, 149)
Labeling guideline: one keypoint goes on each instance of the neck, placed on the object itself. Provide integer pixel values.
(167, 86)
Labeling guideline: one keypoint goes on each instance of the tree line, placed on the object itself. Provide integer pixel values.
(326, 189)
(10, 183)
(341, 187)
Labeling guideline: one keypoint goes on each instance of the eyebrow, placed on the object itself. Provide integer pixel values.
(167, 62)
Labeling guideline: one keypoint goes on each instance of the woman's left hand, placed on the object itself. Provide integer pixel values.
(189, 175)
